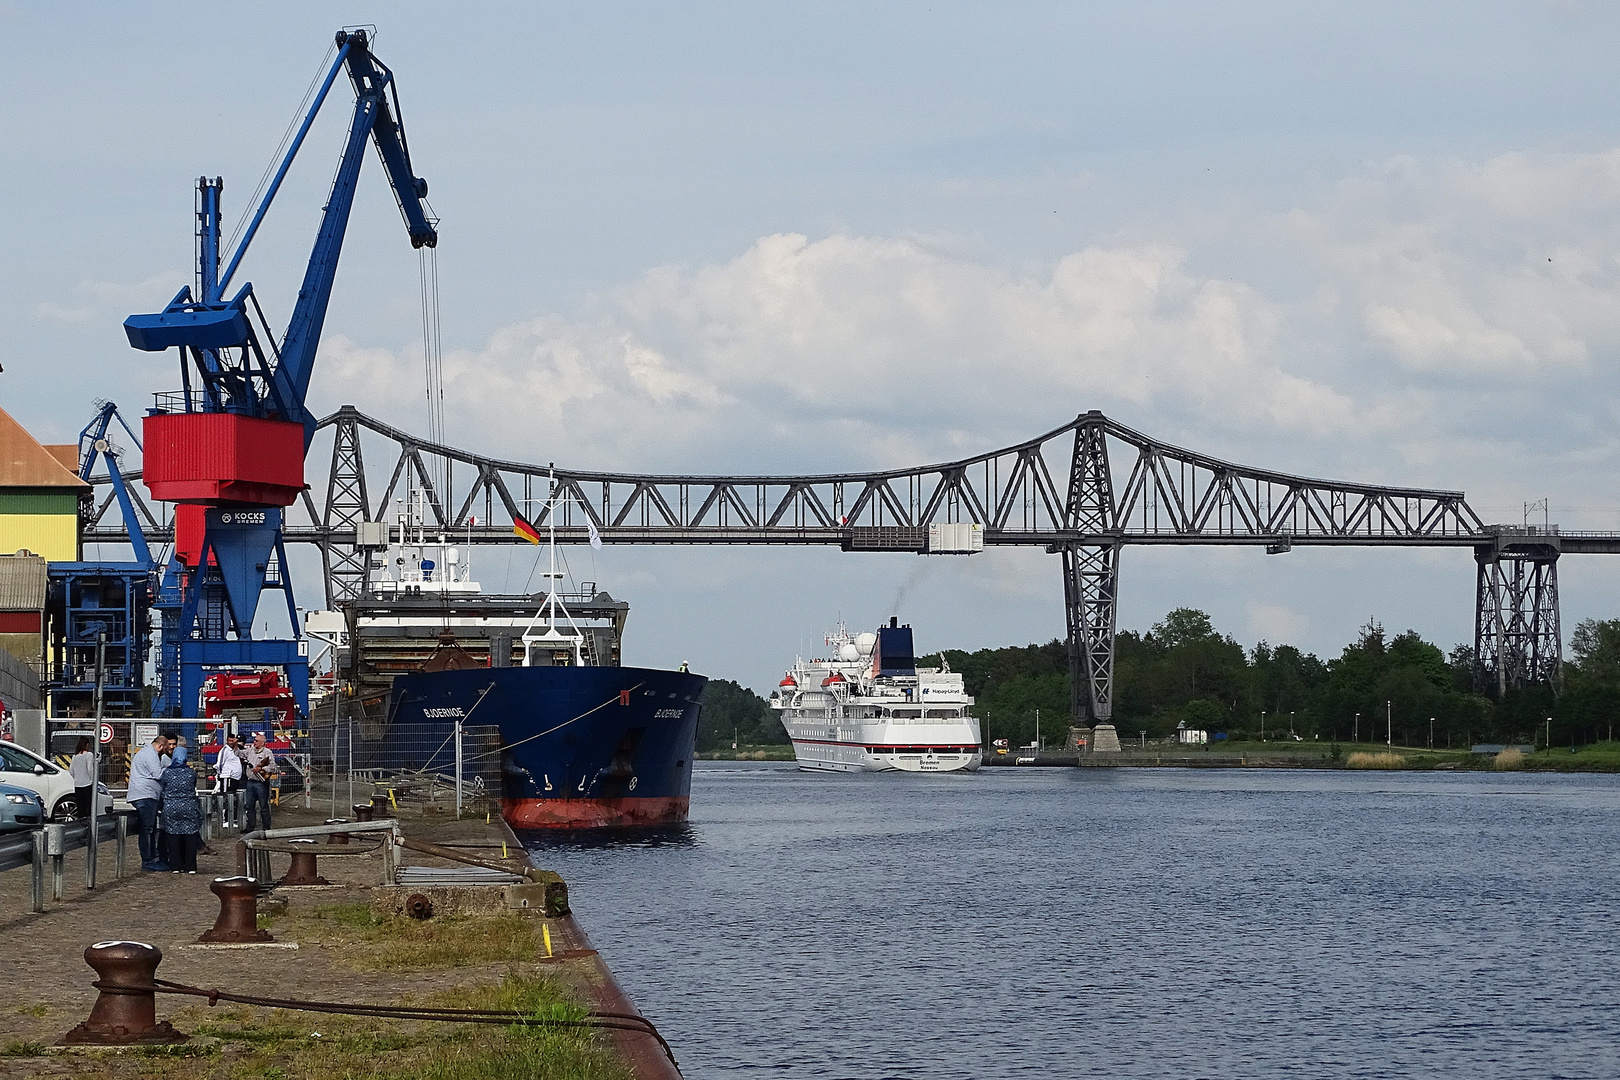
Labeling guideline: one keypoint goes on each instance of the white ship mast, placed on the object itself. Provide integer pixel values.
(552, 637)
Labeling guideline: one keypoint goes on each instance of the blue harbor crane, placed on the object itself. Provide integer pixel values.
(228, 447)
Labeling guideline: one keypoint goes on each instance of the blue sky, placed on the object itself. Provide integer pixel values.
(1373, 241)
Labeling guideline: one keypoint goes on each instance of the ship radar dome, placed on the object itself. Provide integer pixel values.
(848, 653)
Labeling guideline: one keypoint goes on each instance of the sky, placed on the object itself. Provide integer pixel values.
(1375, 242)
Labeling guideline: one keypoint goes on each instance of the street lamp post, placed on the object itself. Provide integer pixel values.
(1262, 725)
(1290, 722)
(1355, 729)
(1431, 733)
(1389, 725)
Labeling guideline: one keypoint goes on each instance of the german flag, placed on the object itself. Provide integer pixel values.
(522, 528)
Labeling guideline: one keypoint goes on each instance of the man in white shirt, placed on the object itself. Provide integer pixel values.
(260, 762)
(229, 766)
(145, 789)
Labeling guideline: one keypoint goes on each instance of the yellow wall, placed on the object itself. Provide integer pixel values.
(55, 536)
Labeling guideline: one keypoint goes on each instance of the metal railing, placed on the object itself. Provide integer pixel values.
(44, 850)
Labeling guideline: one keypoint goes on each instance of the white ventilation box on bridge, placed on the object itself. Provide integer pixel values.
(955, 538)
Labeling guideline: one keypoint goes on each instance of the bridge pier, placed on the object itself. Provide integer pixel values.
(1090, 586)
(1517, 638)
(1091, 582)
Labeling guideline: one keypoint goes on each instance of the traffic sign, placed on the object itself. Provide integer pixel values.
(105, 733)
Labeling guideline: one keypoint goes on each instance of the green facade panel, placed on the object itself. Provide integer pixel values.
(37, 501)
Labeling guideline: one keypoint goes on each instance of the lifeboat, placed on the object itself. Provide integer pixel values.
(788, 683)
(835, 679)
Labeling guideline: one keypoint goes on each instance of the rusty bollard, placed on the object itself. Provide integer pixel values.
(362, 811)
(302, 870)
(238, 912)
(125, 1013)
(419, 906)
(337, 837)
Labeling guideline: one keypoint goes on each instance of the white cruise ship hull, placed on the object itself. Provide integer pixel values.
(934, 749)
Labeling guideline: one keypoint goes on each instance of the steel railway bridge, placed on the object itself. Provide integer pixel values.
(1083, 491)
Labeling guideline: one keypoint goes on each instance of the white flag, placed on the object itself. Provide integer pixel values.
(596, 537)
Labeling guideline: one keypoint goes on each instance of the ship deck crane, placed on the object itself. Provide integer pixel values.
(228, 447)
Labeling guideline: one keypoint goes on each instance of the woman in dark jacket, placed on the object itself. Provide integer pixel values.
(182, 813)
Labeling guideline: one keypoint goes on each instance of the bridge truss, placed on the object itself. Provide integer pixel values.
(1083, 491)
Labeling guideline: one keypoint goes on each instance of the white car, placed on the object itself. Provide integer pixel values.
(21, 767)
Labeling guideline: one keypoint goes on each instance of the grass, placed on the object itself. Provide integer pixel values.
(246, 1044)
(370, 942)
(1380, 759)
(1510, 759)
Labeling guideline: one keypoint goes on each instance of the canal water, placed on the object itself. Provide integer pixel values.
(1119, 923)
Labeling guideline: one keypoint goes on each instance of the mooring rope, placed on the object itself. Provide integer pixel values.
(592, 1019)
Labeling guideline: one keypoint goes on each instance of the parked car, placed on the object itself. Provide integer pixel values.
(22, 767)
(20, 808)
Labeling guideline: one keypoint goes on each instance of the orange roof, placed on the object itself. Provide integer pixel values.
(66, 455)
(25, 463)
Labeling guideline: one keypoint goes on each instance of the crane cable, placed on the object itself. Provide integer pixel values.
(427, 262)
(432, 354)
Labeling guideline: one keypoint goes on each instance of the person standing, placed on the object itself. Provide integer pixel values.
(259, 761)
(228, 766)
(145, 789)
(182, 813)
(83, 771)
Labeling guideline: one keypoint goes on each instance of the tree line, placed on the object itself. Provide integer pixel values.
(1400, 687)
(733, 713)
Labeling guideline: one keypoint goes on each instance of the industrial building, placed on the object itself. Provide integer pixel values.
(40, 493)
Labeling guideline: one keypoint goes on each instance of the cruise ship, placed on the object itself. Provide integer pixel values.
(868, 707)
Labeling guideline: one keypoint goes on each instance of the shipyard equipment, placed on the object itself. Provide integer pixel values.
(228, 447)
(89, 600)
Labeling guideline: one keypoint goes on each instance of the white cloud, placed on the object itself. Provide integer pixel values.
(853, 350)
(1428, 312)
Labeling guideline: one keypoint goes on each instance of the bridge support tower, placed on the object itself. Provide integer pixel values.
(1517, 637)
(1091, 583)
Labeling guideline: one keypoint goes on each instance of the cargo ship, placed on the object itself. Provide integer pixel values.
(531, 682)
(868, 707)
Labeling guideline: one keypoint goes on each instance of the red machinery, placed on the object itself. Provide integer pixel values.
(245, 696)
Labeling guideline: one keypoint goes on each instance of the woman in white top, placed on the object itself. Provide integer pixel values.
(83, 771)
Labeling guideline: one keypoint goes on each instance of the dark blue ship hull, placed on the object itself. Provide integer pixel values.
(581, 747)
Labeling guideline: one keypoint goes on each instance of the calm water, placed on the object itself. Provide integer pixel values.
(1133, 922)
